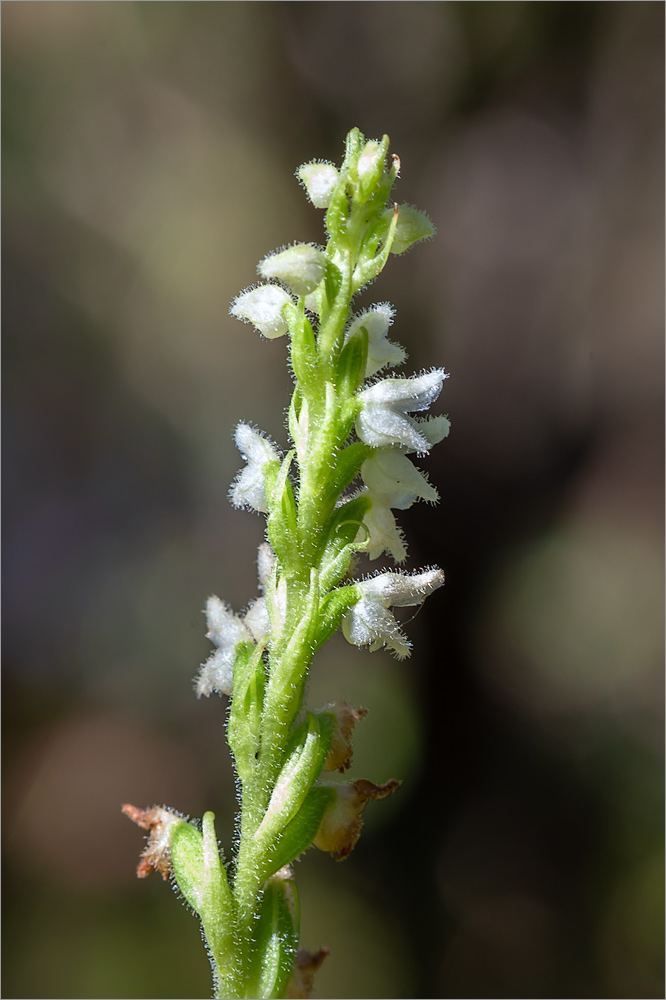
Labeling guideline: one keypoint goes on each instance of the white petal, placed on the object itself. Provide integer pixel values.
(381, 352)
(319, 180)
(406, 394)
(265, 563)
(391, 475)
(301, 267)
(216, 674)
(257, 621)
(253, 446)
(368, 623)
(381, 427)
(249, 489)
(218, 616)
(262, 306)
(384, 533)
(225, 629)
(399, 590)
(376, 321)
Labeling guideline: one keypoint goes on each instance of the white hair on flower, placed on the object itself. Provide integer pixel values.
(262, 305)
(368, 622)
(301, 266)
(381, 352)
(249, 487)
(382, 421)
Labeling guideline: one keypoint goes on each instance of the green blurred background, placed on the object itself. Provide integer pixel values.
(149, 151)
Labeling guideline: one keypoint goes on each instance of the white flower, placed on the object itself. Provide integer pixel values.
(370, 623)
(262, 306)
(249, 488)
(319, 180)
(383, 422)
(389, 474)
(256, 619)
(301, 267)
(265, 564)
(381, 351)
(226, 631)
(384, 535)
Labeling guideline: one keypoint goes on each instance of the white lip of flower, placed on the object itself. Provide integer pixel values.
(301, 267)
(226, 631)
(381, 351)
(256, 619)
(262, 306)
(383, 534)
(389, 474)
(319, 180)
(370, 623)
(249, 488)
(383, 422)
(265, 564)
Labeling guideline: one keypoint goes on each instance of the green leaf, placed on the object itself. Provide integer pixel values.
(202, 879)
(332, 610)
(247, 705)
(351, 365)
(303, 346)
(298, 835)
(282, 520)
(348, 465)
(412, 227)
(333, 281)
(305, 760)
(276, 941)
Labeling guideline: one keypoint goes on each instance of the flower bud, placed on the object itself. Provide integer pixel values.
(413, 226)
(262, 306)
(302, 267)
(319, 180)
(341, 824)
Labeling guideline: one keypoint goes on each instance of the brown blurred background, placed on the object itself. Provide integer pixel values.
(149, 151)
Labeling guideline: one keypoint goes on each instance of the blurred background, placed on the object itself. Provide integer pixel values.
(149, 153)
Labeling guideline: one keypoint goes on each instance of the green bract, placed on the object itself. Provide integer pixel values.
(329, 498)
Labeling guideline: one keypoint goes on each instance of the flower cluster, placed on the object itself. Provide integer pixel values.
(328, 499)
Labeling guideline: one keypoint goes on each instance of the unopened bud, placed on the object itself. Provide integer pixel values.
(301, 267)
(319, 180)
(262, 306)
